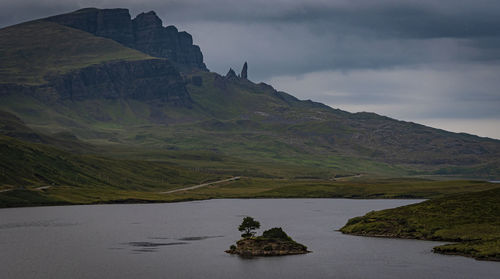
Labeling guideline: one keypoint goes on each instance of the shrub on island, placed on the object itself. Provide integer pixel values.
(272, 242)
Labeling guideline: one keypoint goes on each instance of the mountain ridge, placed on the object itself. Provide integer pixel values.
(111, 102)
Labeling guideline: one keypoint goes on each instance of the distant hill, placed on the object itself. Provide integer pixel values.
(141, 91)
(38, 174)
(12, 126)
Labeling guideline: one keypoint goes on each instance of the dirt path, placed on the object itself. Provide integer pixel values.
(347, 177)
(201, 185)
(12, 189)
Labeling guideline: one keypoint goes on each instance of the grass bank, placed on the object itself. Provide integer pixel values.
(246, 187)
(470, 220)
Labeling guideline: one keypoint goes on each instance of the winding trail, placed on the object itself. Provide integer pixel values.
(202, 185)
(22, 188)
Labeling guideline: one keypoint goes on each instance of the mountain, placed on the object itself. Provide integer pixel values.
(144, 33)
(140, 91)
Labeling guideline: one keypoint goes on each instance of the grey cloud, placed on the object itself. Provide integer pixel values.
(293, 49)
(13, 12)
(401, 19)
(300, 36)
(338, 34)
(460, 91)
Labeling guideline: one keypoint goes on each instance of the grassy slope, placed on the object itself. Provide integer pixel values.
(88, 178)
(12, 126)
(31, 50)
(251, 147)
(470, 219)
(82, 178)
(348, 187)
(257, 130)
(271, 134)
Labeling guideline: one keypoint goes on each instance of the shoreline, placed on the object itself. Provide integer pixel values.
(434, 250)
(141, 201)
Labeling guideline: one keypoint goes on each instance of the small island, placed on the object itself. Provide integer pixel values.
(272, 242)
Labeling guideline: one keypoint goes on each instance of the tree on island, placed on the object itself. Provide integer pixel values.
(272, 242)
(247, 226)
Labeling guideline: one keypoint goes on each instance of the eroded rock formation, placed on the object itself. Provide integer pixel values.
(144, 80)
(145, 33)
(231, 74)
(244, 71)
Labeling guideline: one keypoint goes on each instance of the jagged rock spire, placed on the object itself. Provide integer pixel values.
(244, 71)
(231, 74)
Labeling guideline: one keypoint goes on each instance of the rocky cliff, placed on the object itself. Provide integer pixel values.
(145, 33)
(144, 80)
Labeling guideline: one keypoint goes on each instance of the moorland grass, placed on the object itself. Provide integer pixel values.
(472, 220)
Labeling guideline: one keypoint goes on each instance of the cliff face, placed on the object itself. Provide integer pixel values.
(143, 80)
(154, 39)
(145, 33)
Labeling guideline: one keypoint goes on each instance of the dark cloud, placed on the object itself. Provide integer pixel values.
(13, 12)
(402, 19)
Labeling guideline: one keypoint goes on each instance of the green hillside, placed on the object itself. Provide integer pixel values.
(250, 128)
(30, 51)
(472, 220)
(12, 126)
(274, 133)
(99, 132)
(34, 170)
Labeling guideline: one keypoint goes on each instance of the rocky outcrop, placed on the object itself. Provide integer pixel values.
(259, 246)
(145, 33)
(244, 71)
(143, 80)
(231, 74)
(154, 39)
(272, 242)
(109, 23)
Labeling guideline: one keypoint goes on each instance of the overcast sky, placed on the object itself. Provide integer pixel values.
(431, 62)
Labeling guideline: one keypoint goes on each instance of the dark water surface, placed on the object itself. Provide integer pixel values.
(187, 240)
